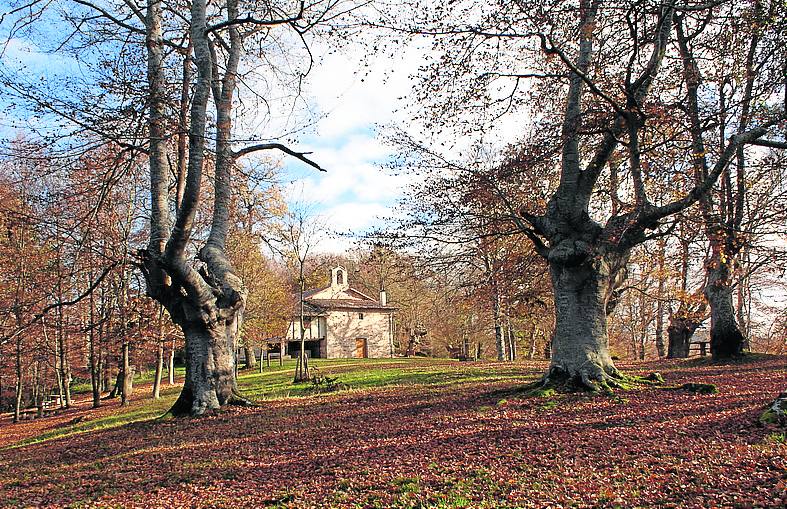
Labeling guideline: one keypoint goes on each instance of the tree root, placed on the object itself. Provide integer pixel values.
(182, 405)
(596, 379)
(237, 399)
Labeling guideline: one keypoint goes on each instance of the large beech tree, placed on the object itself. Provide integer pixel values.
(130, 55)
(587, 258)
(748, 49)
(207, 301)
(611, 73)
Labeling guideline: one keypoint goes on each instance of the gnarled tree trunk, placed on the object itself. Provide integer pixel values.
(580, 348)
(679, 332)
(726, 339)
(210, 369)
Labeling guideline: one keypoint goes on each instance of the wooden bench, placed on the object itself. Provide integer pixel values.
(28, 414)
(699, 346)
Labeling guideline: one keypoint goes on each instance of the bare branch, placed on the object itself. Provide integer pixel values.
(250, 20)
(770, 143)
(41, 314)
(278, 146)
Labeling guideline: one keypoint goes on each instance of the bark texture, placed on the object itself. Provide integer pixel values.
(726, 338)
(210, 371)
(580, 349)
(679, 332)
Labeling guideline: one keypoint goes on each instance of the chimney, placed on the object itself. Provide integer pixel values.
(383, 298)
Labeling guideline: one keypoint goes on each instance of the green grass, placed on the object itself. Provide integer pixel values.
(141, 377)
(275, 382)
(141, 410)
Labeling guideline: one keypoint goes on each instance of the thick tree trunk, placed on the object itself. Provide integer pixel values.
(580, 348)
(726, 339)
(679, 332)
(210, 368)
(207, 302)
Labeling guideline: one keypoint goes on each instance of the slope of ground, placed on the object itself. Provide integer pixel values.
(419, 433)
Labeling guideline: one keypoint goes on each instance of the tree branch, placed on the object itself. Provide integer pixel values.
(278, 146)
(41, 314)
(249, 19)
(701, 189)
(770, 143)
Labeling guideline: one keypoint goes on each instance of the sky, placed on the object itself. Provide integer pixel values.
(356, 193)
(355, 98)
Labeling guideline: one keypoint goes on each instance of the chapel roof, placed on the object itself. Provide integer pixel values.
(328, 304)
(340, 295)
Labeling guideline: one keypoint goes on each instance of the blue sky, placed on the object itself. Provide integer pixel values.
(356, 193)
(352, 101)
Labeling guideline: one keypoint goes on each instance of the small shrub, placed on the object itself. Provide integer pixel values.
(322, 383)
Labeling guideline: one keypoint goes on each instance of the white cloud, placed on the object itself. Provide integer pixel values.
(354, 216)
(355, 92)
(353, 172)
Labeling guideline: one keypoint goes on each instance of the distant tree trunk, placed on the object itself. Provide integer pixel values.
(159, 370)
(159, 355)
(107, 378)
(37, 397)
(93, 365)
(726, 339)
(127, 379)
(743, 319)
(679, 332)
(18, 392)
(643, 336)
(661, 347)
(533, 340)
(58, 378)
(511, 336)
(498, 323)
(95, 369)
(65, 368)
(251, 359)
(171, 363)
(117, 389)
(302, 366)
(548, 347)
